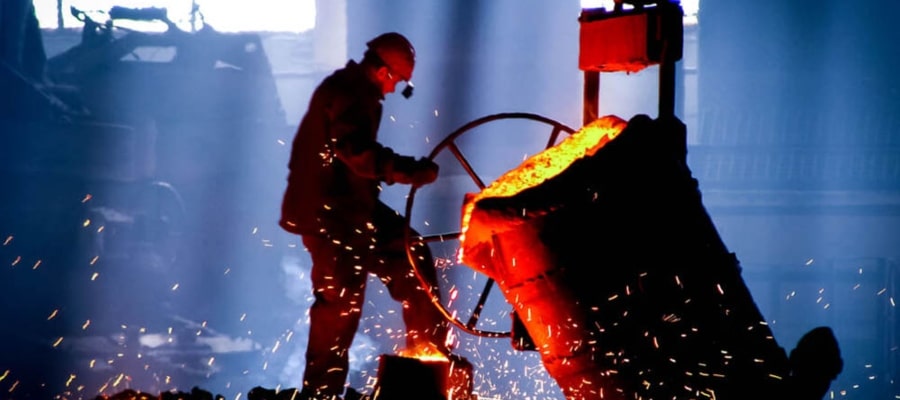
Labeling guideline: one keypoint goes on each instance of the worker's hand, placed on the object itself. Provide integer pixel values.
(408, 170)
(424, 172)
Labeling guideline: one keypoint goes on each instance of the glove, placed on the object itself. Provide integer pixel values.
(408, 170)
(424, 172)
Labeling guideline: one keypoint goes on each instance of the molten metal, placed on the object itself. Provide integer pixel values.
(609, 259)
(542, 166)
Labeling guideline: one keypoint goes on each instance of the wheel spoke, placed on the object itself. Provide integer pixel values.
(476, 313)
(554, 136)
(465, 164)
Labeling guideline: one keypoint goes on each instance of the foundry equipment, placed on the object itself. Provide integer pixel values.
(602, 247)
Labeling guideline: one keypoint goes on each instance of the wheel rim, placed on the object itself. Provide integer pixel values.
(449, 143)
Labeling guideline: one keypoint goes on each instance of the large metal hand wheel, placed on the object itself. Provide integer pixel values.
(450, 143)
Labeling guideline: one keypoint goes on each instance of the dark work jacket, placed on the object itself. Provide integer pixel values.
(336, 163)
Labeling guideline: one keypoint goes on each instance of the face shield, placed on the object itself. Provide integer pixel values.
(407, 91)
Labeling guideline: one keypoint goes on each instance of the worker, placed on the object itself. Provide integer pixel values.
(336, 170)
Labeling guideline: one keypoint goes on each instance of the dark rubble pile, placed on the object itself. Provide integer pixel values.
(257, 393)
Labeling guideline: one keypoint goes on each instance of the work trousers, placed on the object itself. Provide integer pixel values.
(342, 258)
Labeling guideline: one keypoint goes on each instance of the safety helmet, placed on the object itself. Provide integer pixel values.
(396, 52)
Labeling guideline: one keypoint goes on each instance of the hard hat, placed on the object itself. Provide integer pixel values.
(397, 53)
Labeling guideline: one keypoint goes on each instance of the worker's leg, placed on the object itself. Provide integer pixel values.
(339, 287)
(424, 323)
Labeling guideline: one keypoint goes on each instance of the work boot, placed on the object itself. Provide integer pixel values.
(352, 394)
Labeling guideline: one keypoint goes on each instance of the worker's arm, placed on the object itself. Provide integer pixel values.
(355, 145)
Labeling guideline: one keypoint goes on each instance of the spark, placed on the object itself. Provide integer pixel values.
(175, 287)
(281, 142)
(86, 223)
(8, 239)
(5, 374)
(53, 314)
(36, 265)
(87, 197)
(16, 261)
(94, 260)
(881, 292)
(85, 325)
(58, 341)
(69, 381)
(94, 276)
(809, 262)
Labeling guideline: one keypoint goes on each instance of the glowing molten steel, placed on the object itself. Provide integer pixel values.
(545, 165)
(424, 354)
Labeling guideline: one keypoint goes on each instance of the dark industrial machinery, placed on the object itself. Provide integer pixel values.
(112, 149)
(602, 247)
(138, 120)
(173, 81)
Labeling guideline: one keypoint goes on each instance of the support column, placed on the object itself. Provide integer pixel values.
(330, 34)
(591, 96)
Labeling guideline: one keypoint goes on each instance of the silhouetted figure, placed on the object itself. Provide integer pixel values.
(336, 168)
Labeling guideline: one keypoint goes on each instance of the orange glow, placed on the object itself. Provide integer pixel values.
(546, 164)
(424, 353)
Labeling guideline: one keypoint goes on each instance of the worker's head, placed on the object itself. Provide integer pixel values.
(394, 58)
